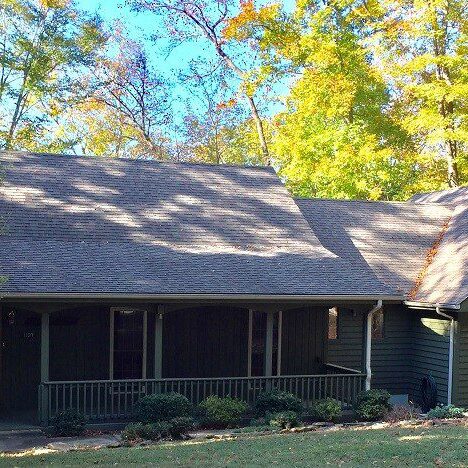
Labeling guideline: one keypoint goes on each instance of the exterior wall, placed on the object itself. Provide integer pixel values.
(347, 350)
(391, 365)
(460, 374)
(79, 344)
(205, 342)
(303, 346)
(430, 353)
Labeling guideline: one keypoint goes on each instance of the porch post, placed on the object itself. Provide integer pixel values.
(145, 344)
(158, 336)
(44, 346)
(43, 390)
(269, 344)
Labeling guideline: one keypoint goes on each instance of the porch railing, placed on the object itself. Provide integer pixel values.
(109, 400)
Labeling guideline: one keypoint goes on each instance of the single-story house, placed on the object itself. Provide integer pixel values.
(127, 277)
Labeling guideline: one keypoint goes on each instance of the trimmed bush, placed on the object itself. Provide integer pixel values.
(446, 412)
(179, 427)
(68, 423)
(221, 412)
(327, 409)
(138, 431)
(277, 402)
(162, 407)
(175, 428)
(372, 405)
(284, 420)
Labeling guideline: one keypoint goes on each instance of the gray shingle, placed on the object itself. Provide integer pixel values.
(89, 225)
(445, 280)
(391, 238)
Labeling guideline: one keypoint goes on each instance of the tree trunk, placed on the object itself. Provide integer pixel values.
(253, 108)
(452, 167)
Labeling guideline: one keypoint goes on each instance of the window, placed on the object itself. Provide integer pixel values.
(333, 323)
(128, 344)
(378, 325)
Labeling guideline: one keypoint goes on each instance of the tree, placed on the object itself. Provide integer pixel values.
(424, 53)
(44, 46)
(336, 137)
(197, 19)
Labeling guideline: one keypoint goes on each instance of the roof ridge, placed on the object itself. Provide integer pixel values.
(136, 161)
(384, 202)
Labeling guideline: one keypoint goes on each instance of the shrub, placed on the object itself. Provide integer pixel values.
(179, 427)
(327, 409)
(222, 412)
(402, 413)
(139, 431)
(276, 401)
(68, 423)
(175, 428)
(373, 404)
(284, 419)
(162, 407)
(446, 412)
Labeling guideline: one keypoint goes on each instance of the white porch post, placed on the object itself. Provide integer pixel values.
(158, 336)
(269, 344)
(45, 346)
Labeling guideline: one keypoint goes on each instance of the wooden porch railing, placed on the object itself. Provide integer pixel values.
(108, 400)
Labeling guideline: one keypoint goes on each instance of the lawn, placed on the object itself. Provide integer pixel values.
(432, 446)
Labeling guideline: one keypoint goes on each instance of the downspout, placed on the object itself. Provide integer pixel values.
(370, 314)
(450, 363)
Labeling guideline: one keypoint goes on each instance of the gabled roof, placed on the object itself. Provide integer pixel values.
(85, 225)
(390, 238)
(445, 278)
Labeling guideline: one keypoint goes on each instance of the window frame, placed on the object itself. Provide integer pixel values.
(337, 326)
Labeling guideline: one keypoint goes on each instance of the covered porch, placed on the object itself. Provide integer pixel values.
(100, 358)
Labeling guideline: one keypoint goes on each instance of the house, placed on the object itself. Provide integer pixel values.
(125, 277)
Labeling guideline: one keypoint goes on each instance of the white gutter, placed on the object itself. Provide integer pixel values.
(429, 305)
(370, 314)
(450, 362)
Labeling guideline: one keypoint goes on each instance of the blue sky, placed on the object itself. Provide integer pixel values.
(142, 26)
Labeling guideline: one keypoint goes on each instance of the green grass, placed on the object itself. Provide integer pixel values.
(438, 446)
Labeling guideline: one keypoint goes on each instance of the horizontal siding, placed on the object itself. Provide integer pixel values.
(430, 354)
(461, 362)
(391, 368)
(347, 349)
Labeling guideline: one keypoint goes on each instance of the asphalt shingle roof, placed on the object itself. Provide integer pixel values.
(445, 280)
(391, 238)
(95, 226)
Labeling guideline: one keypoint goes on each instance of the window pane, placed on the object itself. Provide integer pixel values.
(128, 345)
(378, 324)
(333, 323)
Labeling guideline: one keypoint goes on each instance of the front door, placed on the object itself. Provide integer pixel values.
(20, 356)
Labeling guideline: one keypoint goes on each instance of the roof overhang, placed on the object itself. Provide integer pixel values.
(178, 297)
(428, 305)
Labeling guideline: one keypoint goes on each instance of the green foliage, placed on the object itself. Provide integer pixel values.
(276, 401)
(68, 423)
(373, 404)
(222, 412)
(175, 428)
(162, 407)
(446, 412)
(284, 419)
(179, 427)
(327, 409)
